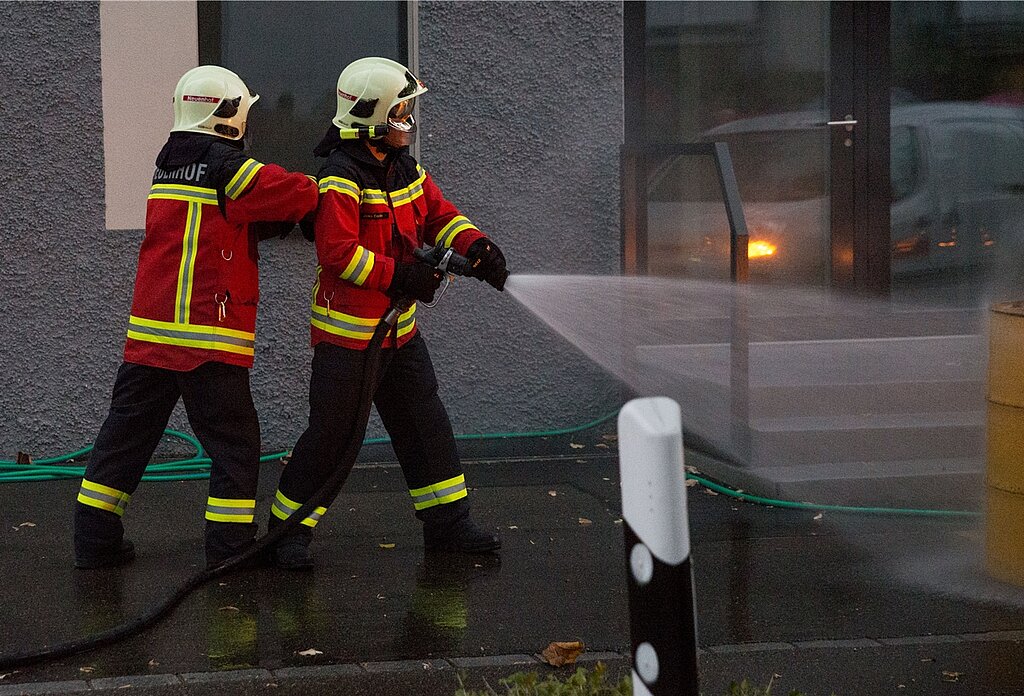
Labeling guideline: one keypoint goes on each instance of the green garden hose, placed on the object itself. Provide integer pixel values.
(197, 467)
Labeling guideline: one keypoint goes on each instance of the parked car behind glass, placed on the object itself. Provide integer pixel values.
(957, 173)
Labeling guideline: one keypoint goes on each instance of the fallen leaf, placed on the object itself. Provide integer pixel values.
(8, 674)
(618, 521)
(386, 546)
(927, 659)
(690, 483)
(229, 608)
(153, 663)
(819, 515)
(605, 478)
(23, 459)
(552, 493)
(576, 445)
(310, 652)
(560, 653)
(710, 492)
(27, 524)
(87, 670)
(512, 526)
(951, 676)
(692, 469)
(609, 437)
(584, 521)
(601, 445)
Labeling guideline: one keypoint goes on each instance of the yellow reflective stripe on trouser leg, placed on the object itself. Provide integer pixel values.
(283, 508)
(230, 510)
(103, 497)
(447, 491)
(188, 263)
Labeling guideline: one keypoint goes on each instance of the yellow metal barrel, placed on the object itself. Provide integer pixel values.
(1004, 533)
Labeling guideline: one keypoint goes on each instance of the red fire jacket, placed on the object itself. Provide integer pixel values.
(370, 214)
(196, 287)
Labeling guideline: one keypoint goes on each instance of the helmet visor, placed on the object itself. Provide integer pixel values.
(402, 110)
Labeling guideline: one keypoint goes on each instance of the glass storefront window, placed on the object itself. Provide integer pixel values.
(958, 86)
(291, 53)
(756, 76)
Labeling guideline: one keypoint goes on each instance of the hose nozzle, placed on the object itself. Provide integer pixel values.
(444, 259)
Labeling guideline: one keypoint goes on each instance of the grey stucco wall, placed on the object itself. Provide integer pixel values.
(521, 129)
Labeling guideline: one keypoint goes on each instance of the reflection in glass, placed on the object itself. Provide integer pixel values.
(957, 154)
(754, 75)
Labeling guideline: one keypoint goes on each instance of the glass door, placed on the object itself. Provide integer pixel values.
(755, 75)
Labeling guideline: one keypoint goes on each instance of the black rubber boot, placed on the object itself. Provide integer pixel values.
(450, 527)
(99, 539)
(227, 539)
(291, 552)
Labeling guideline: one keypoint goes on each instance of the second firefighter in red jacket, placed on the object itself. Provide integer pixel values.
(377, 205)
(191, 333)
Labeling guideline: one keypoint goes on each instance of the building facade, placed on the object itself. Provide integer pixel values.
(877, 147)
(503, 80)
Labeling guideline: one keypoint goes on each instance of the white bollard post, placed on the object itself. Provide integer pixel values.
(657, 544)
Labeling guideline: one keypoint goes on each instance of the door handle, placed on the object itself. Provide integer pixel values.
(848, 121)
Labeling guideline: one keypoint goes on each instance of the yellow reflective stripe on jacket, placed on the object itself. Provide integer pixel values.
(103, 497)
(181, 192)
(283, 508)
(230, 510)
(336, 183)
(359, 267)
(439, 493)
(406, 323)
(374, 197)
(191, 335)
(351, 326)
(449, 231)
(410, 192)
(242, 178)
(187, 267)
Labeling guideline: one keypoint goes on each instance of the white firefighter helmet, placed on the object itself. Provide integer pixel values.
(374, 92)
(211, 99)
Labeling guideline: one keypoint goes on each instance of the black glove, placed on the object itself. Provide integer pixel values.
(417, 281)
(486, 262)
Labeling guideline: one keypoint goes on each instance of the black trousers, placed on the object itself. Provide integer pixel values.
(219, 405)
(409, 406)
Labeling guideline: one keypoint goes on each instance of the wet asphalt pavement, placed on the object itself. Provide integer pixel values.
(829, 603)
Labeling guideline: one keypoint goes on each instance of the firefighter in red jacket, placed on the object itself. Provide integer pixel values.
(377, 205)
(192, 326)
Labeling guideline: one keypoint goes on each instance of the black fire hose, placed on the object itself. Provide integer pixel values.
(322, 497)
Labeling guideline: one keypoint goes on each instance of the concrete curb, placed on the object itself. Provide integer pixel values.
(432, 676)
(397, 677)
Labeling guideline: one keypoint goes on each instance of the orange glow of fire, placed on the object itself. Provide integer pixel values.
(758, 248)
